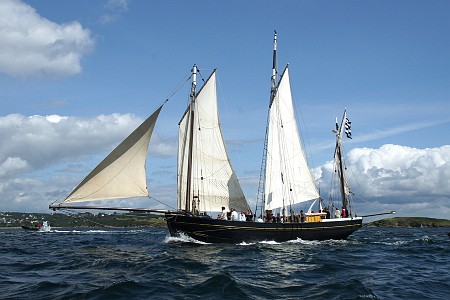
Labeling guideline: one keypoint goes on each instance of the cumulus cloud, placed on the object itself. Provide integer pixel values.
(399, 177)
(31, 45)
(42, 141)
(12, 166)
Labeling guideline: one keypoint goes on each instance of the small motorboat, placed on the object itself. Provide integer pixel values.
(44, 227)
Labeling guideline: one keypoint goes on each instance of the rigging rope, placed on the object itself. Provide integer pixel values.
(152, 198)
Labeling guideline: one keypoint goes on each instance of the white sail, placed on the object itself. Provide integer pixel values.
(288, 179)
(122, 173)
(213, 181)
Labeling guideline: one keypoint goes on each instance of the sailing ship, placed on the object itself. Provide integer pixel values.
(207, 182)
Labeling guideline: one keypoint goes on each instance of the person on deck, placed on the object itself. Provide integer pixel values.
(223, 216)
(327, 211)
(337, 213)
(344, 213)
(234, 215)
(249, 216)
(302, 216)
(278, 219)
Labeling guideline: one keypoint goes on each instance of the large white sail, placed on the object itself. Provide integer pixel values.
(288, 179)
(122, 173)
(213, 181)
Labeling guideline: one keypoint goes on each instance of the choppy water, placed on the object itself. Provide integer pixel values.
(144, 263)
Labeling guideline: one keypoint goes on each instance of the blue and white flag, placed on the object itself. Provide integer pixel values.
(348, 128)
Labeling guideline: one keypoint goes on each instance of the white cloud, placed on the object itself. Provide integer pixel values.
(398, 177)
(31, 45)
(42, 141)
(12, 165)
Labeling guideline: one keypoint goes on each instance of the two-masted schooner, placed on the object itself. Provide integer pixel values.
(207, 182)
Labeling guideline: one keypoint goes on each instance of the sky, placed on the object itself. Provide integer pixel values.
(77, 76)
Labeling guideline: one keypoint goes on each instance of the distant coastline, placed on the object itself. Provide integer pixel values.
(406, 222)
(16, 219)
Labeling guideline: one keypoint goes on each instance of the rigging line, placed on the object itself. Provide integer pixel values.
(60, 197)
(372, 203)
(178, 87)
(153, 198)
(201, 76)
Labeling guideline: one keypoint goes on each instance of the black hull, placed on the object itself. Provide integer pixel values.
(218, 231)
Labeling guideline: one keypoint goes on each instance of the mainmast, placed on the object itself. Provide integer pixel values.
(191, 137)
(262, 175)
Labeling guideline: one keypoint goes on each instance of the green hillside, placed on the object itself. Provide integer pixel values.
(410, 222)
(14, 219)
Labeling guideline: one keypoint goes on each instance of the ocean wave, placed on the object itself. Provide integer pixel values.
(142, 264)
(182, 238)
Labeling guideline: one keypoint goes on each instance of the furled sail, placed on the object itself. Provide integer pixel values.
(288, 179)
(214, 183)
(122, 173)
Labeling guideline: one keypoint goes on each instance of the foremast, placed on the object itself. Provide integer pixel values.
(191, 137)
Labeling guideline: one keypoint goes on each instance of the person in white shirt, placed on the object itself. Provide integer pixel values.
(337, 213)
(223, 216)
(234, 215)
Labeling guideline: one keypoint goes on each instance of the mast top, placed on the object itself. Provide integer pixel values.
(274, 69)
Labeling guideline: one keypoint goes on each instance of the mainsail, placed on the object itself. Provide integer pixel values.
(122, 173)
(213, 182)
(288, 179)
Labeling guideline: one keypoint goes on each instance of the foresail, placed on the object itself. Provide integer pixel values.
(122, 173)
(213, 181)
(288, 179)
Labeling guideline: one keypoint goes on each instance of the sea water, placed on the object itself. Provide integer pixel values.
(373, 263)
